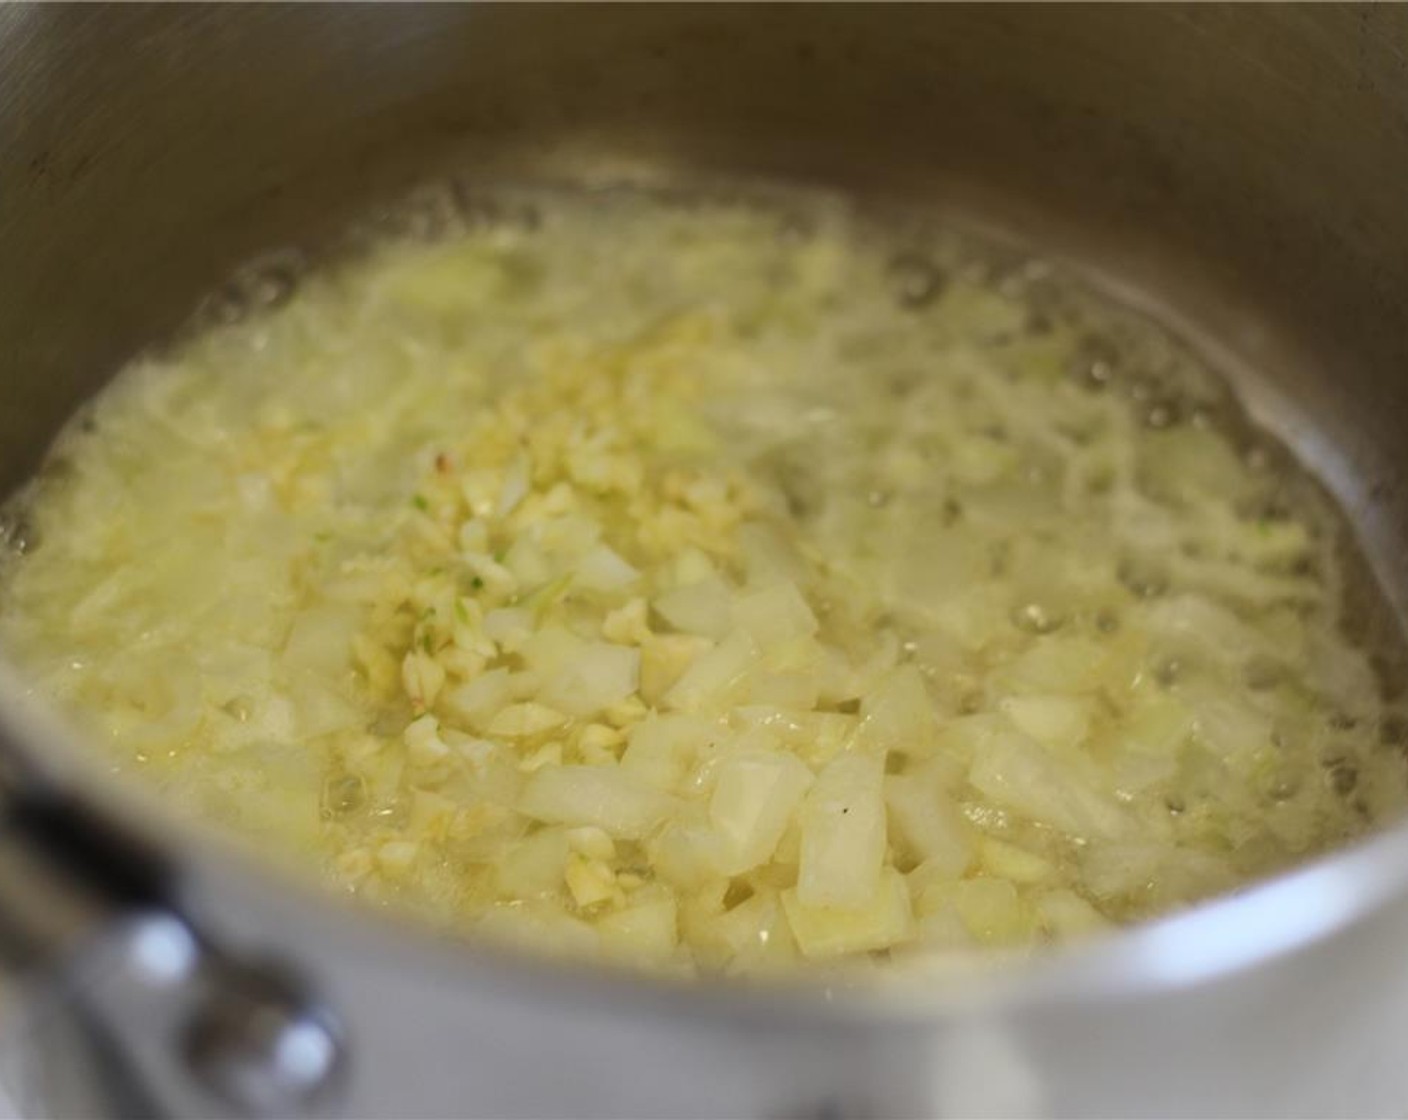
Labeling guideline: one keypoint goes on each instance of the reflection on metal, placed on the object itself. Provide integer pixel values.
(129, 1012)
(982, 1072)
(1272, 919)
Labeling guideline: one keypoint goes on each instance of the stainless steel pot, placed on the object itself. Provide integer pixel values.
(1245, 166)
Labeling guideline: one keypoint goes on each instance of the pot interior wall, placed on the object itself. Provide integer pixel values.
(1244, 164)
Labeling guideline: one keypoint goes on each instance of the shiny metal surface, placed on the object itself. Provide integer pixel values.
(1243, 167)
(147, 1022)
(130, 1011)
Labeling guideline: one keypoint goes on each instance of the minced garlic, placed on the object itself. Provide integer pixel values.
(680, 585)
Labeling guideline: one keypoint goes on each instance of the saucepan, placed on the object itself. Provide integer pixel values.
(1241, 168)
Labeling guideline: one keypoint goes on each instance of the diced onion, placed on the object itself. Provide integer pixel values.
(605, 796)
(706, 588)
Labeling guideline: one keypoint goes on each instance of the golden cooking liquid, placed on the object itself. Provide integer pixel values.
(708, 584)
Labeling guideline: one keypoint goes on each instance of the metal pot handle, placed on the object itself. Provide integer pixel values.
(130, 1010)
